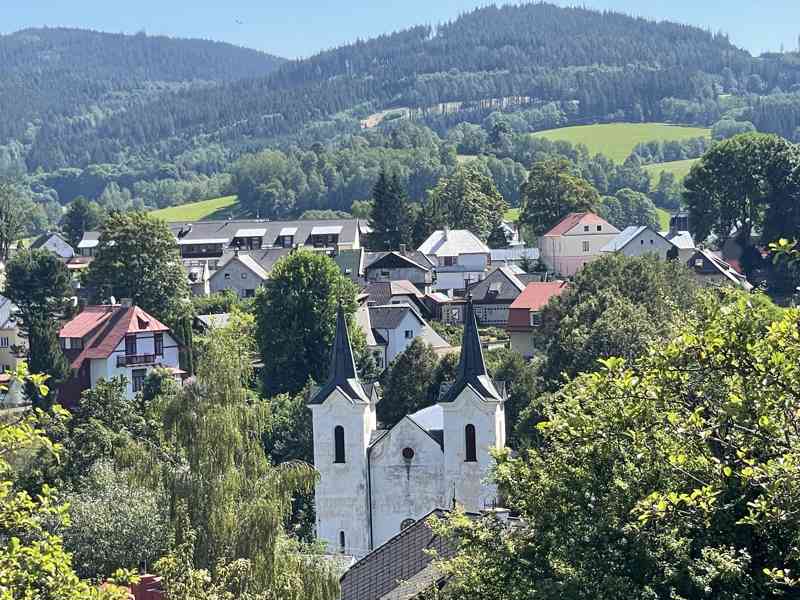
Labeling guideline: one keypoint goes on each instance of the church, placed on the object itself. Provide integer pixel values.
(375, 482)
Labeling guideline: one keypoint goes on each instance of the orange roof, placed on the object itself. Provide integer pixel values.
(536, 295)
(577, 218)
(103, 327)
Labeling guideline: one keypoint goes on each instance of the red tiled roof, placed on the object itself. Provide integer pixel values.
(573, 219)
(102, 328)
(536, 295)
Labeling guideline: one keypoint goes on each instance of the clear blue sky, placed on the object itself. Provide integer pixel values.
(295, 28)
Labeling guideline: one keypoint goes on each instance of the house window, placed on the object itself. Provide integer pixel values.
(385, 273)
(449, 261)
(586, 228)
(599, 228)
(406, 524)
(698, 262)
(642, 242)
(536, 318)
(469, 439)
(409, 334)
(138, 377)
(585, 246)
(130, 345)
(287, 241)
(249, 293)
(158, 344)
(341, 542)
(3, 342)
(244, 275)
(338, 444)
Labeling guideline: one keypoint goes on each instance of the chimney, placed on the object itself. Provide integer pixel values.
(403, 249)
(446, 231)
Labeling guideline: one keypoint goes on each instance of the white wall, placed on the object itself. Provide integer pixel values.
(647, 242)
(241, 279)
(397, 342)
(107, 368)
(472, 490)
(404, 489)
(341, 494)
(455, 280)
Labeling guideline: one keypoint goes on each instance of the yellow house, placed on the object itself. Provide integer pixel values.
(12, 345)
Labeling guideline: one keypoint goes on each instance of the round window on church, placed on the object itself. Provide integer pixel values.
(406, 523)
(408, 453)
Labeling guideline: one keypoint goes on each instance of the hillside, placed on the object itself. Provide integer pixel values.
(597, 64)
(617, 140)
(63, 73)
(216, 208)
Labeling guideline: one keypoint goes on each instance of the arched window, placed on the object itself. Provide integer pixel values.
(338, 444)
(406, 523)
(341, 542)
(469, 438)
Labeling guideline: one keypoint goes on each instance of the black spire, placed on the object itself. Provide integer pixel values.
(342, 372)
(471, 366)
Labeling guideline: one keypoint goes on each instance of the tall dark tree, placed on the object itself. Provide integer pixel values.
(391, 218)
(39, 284)
(11, 218)
(552, 192)
(408, 383)
(81, 216)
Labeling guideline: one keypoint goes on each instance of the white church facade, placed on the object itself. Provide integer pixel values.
(375, 482)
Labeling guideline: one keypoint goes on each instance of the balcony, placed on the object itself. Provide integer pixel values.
(134, 360)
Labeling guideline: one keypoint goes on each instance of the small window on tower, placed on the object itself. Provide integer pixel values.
(469, 435)
(341, 542)
(338, 444)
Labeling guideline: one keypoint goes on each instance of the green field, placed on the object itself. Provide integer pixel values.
(512, 215)
(617, 140)
(217, 208)
(663, 219)
(679, 167)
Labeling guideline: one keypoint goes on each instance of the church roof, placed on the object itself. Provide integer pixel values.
(342, 374)
(471, 366)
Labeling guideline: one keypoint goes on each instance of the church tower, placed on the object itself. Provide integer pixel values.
(344, 419)
(474, 422)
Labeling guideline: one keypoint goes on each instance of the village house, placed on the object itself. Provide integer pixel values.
(525, 314)
(639, 241)
(396, 292)
(460, 258)
(574, 242)
(375, 483)
(680, 236)
(709, 269)
(413, 266)
(13, 346)
(111, 340)
(243, 272)
(493, 295)
(395, 326)
(55, 243)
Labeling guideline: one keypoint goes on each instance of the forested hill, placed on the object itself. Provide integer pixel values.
(593, 65)
(63, 73)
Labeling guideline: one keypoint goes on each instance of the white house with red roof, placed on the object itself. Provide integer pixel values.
(106, 341)
(525, 314)
(575, 241)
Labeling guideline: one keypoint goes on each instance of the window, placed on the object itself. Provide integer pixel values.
(385, 274)
(469, 435)
(651, 242)
(698, 262)
(341, 542)
(227, 275)
(139, 376)
(130, 345)
(599, 228)
(244, 275)
(249, 293)
(585, 246)
(449, 261)
(409, 334)
(586, 228)
(536, 318)
(406, 524)
(408, 453)
(3, 342)
(642, 242)
(338, 445)
(158, 344)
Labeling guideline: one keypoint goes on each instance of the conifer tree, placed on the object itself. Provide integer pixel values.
(391, 215)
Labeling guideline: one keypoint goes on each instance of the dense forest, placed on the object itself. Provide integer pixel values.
(141, 121)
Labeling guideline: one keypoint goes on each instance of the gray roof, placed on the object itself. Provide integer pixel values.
(90, 239)
(625, 237)
(350, 262)
(411, 258)
(429, 336)
(382, 292)
(453, 242)
(189, 232)
(429, 418)
(214, 321)
(501, 285)
(43, 238)
(401, 567)
(682, 239)
(389, 316)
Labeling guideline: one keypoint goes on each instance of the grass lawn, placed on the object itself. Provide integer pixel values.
(663, 219)
(617, 140)
(217, 208)
(679, 167)
(512, 215)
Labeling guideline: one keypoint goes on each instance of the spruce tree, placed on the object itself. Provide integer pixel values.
(391, 214)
